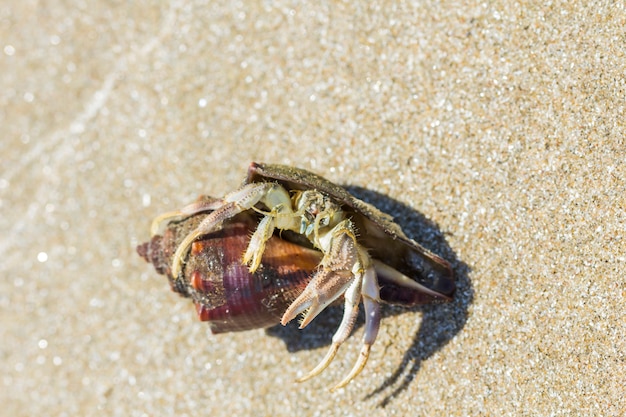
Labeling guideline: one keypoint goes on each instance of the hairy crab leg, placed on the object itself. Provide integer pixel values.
(282, 217)
(216, 217)
(256, 247)
(234, 203)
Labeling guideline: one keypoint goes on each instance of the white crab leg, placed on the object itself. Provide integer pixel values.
(234, 203)
(256, 247)
(216, 217)
(281, 216)
(371, 302)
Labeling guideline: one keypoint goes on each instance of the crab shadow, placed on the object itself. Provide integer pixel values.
(439, 322)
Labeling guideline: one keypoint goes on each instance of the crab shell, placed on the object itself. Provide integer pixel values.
(225, 293)
(230, 298)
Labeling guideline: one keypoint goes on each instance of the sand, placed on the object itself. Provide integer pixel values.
(493, 132)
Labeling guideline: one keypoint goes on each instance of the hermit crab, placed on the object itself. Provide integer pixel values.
(289, 242)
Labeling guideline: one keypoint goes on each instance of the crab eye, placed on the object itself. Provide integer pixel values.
(324, 221)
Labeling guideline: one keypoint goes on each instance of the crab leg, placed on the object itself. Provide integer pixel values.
(281, 216)
(339, 267)
(350, 313)
(245, 198)
(371, 302)
(256, 247)
(342, 273)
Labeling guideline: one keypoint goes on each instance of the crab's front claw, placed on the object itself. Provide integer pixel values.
(346, 269)
(325, 287)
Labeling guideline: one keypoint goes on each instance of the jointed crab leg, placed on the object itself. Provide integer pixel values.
(350, 313)
(371, 302)
(270, 194)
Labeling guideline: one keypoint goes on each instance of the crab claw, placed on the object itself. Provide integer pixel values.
(350, 313)
(355, 284)
(325, 287)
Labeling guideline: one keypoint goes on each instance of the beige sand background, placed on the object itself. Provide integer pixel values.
(493, 130)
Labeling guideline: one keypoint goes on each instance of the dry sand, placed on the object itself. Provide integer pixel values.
(494, 131)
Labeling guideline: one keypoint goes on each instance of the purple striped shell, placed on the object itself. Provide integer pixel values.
(225, 293)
